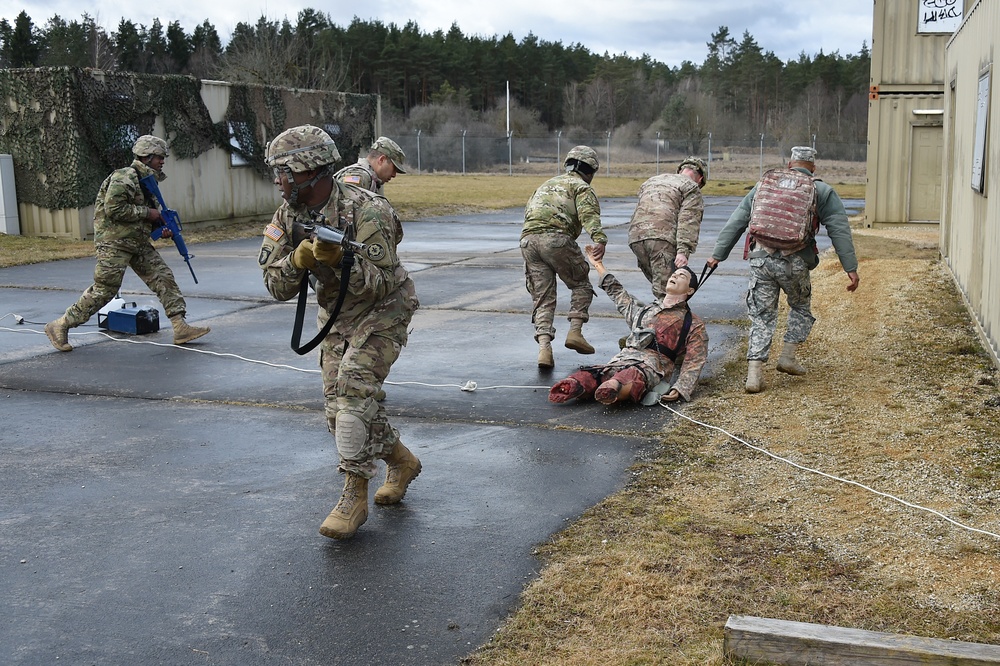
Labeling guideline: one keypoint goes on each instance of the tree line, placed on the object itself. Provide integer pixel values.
(439, 80)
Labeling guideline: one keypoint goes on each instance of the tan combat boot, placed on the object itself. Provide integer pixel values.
(575, 339)
(401, 468)
(184, 332)
(755, 380)
(787, 362)
(545, 359)
(351, 511)
(58, 333)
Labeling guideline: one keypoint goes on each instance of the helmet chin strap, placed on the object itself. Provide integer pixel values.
(293, 198)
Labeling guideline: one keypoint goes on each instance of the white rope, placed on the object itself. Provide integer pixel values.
(835, 478)
(469, 386)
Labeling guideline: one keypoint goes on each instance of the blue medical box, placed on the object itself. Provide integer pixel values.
(134, 320)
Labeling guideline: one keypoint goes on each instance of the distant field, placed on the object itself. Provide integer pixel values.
(419, 195)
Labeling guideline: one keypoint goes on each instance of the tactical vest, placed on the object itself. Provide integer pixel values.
(783, 213)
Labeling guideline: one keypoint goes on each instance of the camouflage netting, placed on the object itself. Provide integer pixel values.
(348, 118)
(67, 129)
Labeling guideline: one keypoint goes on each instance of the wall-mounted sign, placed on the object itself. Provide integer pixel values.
(938, 16)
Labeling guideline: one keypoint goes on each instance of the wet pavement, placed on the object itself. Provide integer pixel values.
(161, 504)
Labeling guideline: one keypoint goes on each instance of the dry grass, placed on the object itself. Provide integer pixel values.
(899, 397)
(414, 196)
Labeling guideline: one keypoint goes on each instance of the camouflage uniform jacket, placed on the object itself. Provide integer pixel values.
(380, 296)
(670, 208)
(564, 204)
(832, 215)
(665, 325)
(120, 210)
(360, 174)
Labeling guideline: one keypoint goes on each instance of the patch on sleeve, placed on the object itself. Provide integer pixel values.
(265, 254)
(352, 180)
(274, 232)
(375, 252)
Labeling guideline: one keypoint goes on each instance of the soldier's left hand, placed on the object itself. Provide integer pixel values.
(671, 396)
(328, 253)
(853, 275)
(597, 251)
(681, 260)
(166, 233)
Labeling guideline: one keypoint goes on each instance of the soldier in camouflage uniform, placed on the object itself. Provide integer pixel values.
(656, 346)
(371, 329)
(384, 160)
(124, 218)
(554, 218)
(773, 271)
(663, 231)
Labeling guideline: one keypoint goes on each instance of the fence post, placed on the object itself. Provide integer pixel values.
(609, 153)
(657, 153)
(510, 153)
(709, 174)
(418, 150)
(761, 156)
(558, 150)
(463, 151)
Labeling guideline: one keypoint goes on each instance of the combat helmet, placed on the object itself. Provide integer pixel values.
(302, 148)
(582, 155)
(147, 144)
(695, 164)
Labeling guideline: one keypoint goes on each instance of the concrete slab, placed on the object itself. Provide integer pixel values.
(161, 504)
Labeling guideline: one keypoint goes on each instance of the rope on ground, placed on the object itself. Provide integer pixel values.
(469, 386)
(831, 476)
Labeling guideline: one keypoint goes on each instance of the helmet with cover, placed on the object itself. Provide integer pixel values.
(582, 156)
(302, 148)
(147, 145)
(695, 164)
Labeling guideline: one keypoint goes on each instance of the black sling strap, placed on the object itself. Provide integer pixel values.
(300, 309)
(681, 340)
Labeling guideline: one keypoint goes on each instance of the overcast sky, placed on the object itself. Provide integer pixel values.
(670, 31)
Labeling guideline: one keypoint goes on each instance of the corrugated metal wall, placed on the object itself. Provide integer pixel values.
(970, 228)
(907, 75)
(901, 56)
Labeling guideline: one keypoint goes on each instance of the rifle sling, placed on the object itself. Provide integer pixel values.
(300, 309)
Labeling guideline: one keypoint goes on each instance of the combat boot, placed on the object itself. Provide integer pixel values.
(401, 468)
(351, 511)
(575, 339)
(787, 362)
(545, 359)
(58, 334)
(184, 332)
(755, 380)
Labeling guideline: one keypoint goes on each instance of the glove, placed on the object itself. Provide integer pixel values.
(303, 256)
(328, 253)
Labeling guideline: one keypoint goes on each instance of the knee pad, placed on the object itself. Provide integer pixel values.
(353, 424)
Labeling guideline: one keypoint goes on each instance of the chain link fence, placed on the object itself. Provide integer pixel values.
(464, 153)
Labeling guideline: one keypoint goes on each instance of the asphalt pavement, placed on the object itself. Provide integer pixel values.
(160, 504)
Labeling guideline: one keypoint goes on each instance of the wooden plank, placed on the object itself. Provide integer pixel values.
(758, 639)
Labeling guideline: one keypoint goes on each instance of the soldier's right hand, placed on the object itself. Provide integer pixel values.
(303, 256)
(153, 214)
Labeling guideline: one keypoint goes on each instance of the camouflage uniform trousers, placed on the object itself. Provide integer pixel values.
(351, 378)
(770, 275)
(655, 258)
(547, 256)
(112, 260)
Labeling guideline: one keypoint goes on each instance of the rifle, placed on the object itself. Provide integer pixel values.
(320, 230)
(171, 221)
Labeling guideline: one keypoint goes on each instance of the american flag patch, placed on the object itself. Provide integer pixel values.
(352, 180)
(274, 232)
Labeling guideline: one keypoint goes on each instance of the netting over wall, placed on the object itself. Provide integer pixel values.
(67, 129)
